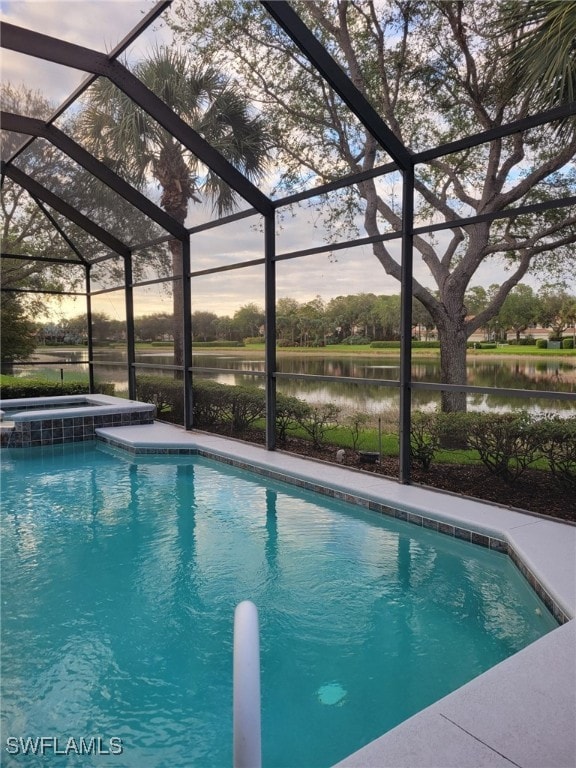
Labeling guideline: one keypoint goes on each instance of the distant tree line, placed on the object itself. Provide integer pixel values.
(356, 318)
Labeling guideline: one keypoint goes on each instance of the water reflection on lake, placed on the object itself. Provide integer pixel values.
(546, 374)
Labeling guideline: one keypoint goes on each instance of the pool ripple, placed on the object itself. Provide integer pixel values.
(120, 581)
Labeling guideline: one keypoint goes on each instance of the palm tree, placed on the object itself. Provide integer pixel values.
(542, 56)
(138, 148)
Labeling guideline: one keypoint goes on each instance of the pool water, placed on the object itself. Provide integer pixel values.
(120, 576)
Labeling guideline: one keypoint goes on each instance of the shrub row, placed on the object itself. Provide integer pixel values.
(431, 345)
(545, 343)
(506, 443)
(356, 339)
(213, 404)
(234, 409)
(217, 343)
(17, 388)
(385, 345)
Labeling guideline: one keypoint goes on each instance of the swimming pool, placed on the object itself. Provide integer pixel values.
(120, 578)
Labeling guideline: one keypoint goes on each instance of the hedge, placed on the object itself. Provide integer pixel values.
(396, 345)
(356, 339)
(558, 438)
(507, 444)
(17, 388)
(166, 393)
(233, 408)
(290, 413)
(217, 344)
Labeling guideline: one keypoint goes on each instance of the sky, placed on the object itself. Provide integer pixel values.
(101, 25)
(87, 23)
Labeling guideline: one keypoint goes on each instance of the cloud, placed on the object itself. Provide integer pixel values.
(95, 24)
(100, 25)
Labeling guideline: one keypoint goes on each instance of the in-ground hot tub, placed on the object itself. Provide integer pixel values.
(34, 421)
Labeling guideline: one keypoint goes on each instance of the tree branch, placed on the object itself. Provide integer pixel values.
(532, 179)
(498, 300)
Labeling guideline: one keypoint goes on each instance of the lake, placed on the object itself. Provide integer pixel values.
(548, 374)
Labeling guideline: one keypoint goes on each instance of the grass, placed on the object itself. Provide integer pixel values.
(340, 437)
(366, 349)
(352, 349)
(515, 349)
(50, 375)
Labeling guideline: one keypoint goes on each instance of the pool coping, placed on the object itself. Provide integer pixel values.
(521, 712)
(96, 405)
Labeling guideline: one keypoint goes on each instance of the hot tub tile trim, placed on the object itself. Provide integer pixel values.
(28, 433)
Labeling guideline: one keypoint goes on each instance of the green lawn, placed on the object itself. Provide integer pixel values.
(515, 349)
(366, 349)
(352, 349)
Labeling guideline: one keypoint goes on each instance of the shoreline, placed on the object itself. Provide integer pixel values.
(329, 351)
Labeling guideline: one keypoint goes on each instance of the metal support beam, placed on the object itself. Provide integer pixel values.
(37, 190)
(331, 186)
(508, 129)
(133, 35)
(130, 335)
(406, 324)
(43, 291)
(91, 385)
(270, 329)
(43, 259)
(60, 52)
(34, 127)
(60, 231)
(331, 71)
(187, 333)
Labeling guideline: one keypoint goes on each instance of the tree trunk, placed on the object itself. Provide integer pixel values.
(174, 178)
(177, 302)
(453, 366)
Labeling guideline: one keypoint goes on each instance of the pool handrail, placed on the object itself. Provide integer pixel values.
(246, 683)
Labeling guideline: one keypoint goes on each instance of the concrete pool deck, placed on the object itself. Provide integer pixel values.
(521, 712)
